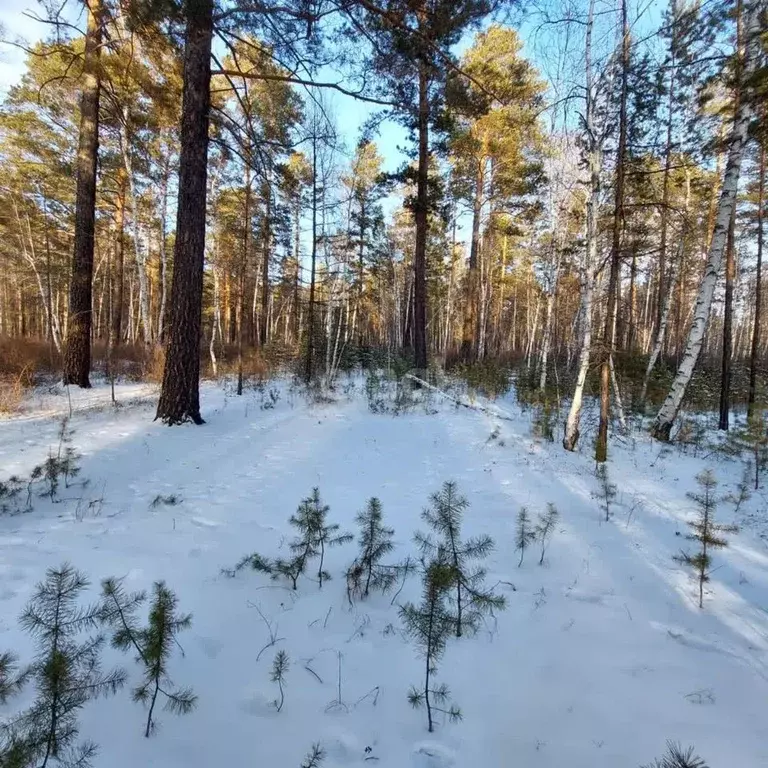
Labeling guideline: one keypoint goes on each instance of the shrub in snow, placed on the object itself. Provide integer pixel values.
(705, 531)
(444, 516)
(606, 489)
(152, 643)
(66, 674)
(367, 572)
(743, 493)
(10, 491)
(544, 420)
(677, 757)
(429, 625)
(280, 666)
(545, 528)
(525, 533)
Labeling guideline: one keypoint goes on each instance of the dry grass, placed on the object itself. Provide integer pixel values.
(22, 362)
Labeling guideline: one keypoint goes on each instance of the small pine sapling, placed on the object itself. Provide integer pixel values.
(367, 572)
(526, 533)
(444, 516)
(429, 625)
(753, 438)
(314, 758)
(326, 534)
(546, 527)
(67, 457)
(743, 493)
(9, 492)
(705, 530)
(67, 672)
(607, 489)
(277, 675)
(153, 644)
(677, 757)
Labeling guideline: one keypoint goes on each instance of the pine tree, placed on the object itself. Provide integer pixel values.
(430, 625)
(526, 534)
(367, 572)
(326, 534)
(444, 517)
(546, 527)
(277, 675)
(607, 489)
(153, 644)
(743, 493)
(753, 438)
(705, 530)
(67, 672)
(677, 757)
(314, 758)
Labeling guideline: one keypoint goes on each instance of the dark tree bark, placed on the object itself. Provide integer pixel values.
(267, 238)
(180, 393)
(471, 328)
(758, 282)
(241, 308)
(77, 355)
(609, 334)
(119, 267)
(421, 211)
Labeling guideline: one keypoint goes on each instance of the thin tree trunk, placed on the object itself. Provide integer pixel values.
(758, 281)
(180, 394)
(739, 134)
(421, 217)
(77, 355)
(609, 335)
(311, 308)
(266, 240)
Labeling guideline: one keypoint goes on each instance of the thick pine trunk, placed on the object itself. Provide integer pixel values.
(180, 394)
(739, 133)
(471, 335)
(266, 240)
(77, 355)
(421, 216)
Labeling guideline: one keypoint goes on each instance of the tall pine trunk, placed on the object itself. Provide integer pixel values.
(180, 394)
(77, 355)
(421, 216)
(667, 414)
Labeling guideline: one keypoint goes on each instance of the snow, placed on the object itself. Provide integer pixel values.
(601, 656)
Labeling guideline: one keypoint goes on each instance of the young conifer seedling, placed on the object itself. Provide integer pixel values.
(277, 675)
(367, 571)
(314, 758)
(607, 489)
(743, 493)
(546, 527)
(326, 534)
(429, 625)
(753, 438)
(66, 673)
(444, 516)
(677, 757)
(705, 530)
(11, 678)
(153, 643)
(525, 534)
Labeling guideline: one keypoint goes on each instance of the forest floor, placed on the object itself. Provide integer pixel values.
(601, 655)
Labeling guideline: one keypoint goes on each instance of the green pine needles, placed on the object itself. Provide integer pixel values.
(66, 674)
(606, 489)
(153, 643)
(472, 598)
(706, 531)
(11, 678)
(367, 571)
(277, 674)
(525, 533)
(315, 537)
(545, 528)
(430, 625)
(677, 757)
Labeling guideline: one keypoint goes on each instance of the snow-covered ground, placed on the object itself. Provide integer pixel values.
(601, 656)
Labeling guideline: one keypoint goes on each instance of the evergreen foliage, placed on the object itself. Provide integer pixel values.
(10, 490)
(314, 758)
(280, 666)
(705, 530)
(429, 625)
(11, 678)
(444, 516)
(677, 757)
(743, 493)
(152, 643)
(525, 534)
(753, 439)
(66, 672)
(606, 489)
(546, 527)
(367, 571)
